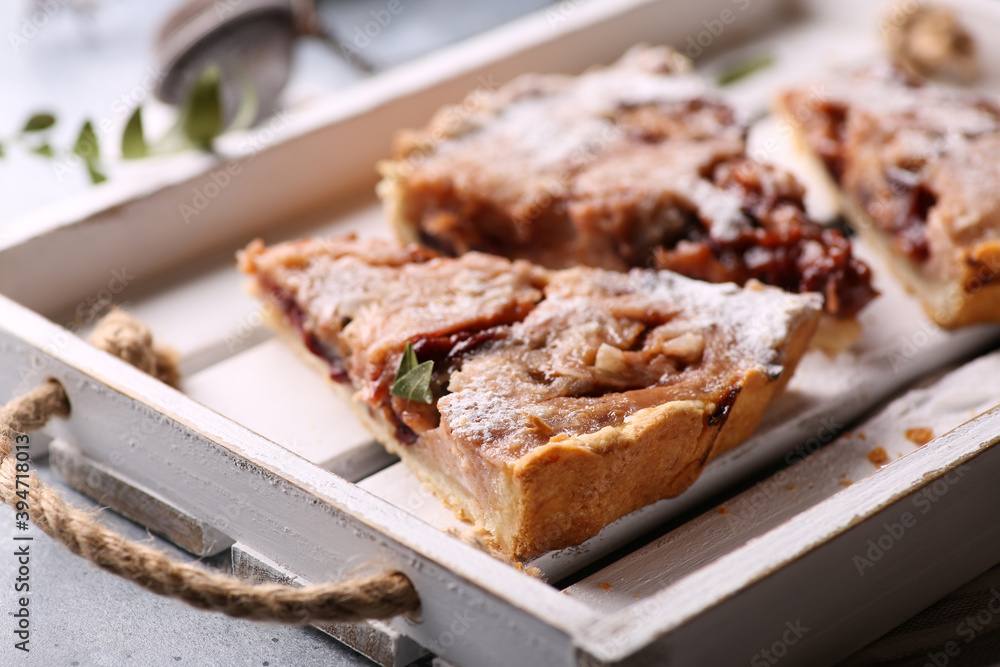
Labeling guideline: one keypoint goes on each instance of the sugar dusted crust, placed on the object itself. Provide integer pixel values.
(639, 164)
(564, 399)
(917, 167)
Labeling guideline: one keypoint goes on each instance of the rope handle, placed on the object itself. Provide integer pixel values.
(382, 596)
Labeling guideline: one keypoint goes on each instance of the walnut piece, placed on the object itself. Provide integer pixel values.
(930, 41)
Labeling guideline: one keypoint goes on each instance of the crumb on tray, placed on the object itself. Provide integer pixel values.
(919, 435)
(878, 457)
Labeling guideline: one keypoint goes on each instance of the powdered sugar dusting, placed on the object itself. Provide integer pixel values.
(757, 319)
(565, 352)
(722, 209)
(544, 379)
(484, 416)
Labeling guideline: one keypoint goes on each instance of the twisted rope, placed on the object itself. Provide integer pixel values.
(382, 596)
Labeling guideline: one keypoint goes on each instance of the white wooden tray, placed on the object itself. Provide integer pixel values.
(256, 455)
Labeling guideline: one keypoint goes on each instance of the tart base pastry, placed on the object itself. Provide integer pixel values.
(562, 400)
(917, 168)
(635, 165)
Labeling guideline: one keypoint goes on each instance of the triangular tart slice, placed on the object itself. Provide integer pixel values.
(559, 400)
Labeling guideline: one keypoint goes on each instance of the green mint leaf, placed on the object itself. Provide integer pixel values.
(44, 150)
(134, 144)
(743, 70)
(201, 118)
(408, 362)
(1, 151)
(86, 144)
(95, 176)
(413, 380)
(88, 148)
(39, 122)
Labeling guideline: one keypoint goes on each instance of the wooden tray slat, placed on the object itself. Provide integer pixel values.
(269, 390)
(946, 404)
(103, 485)
(398, 486)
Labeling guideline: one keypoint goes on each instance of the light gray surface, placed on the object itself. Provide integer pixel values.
(81, 615)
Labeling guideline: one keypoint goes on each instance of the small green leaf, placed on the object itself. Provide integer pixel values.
(413, 380)
(39, 122)
(44, 150)
(743, 70)
(134, 144)
(86, 144)
(95, 176)
(202, 115)
(408, 362)
(1, 151)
